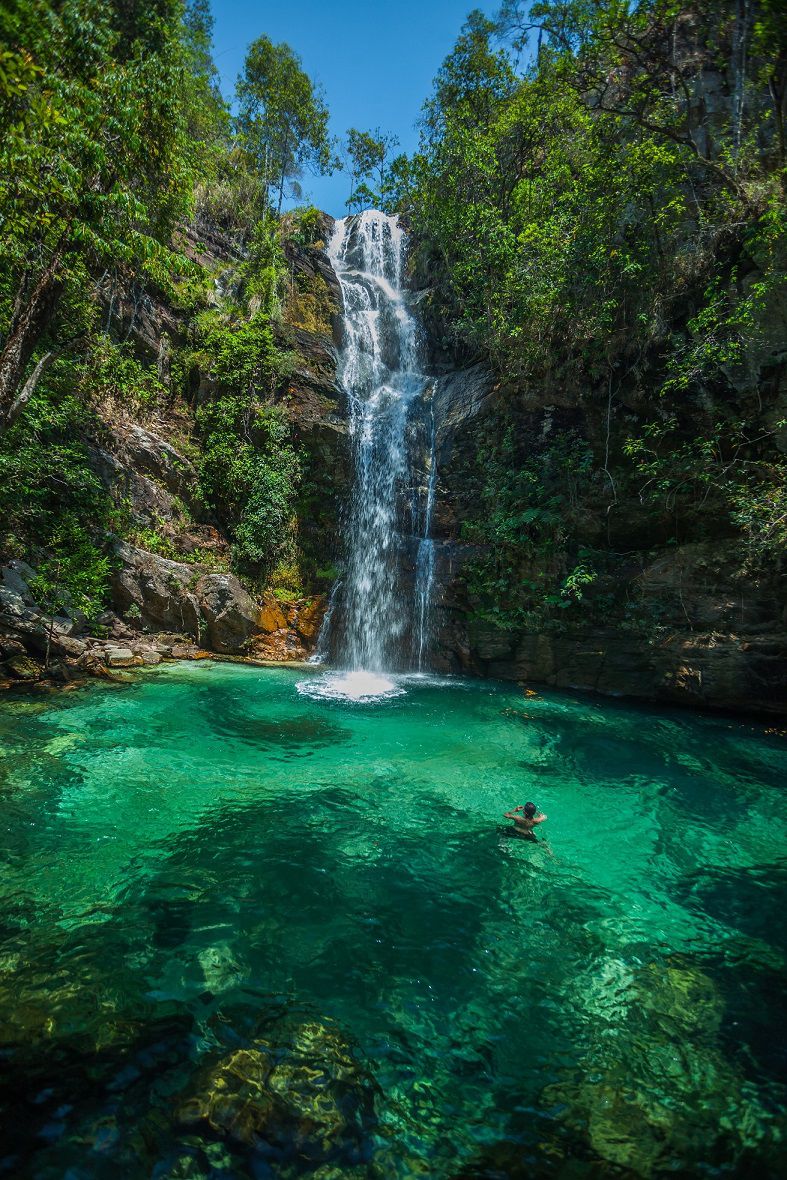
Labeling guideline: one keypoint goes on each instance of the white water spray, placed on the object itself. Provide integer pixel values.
(424, 563)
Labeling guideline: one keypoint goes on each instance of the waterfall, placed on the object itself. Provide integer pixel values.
(424, 564)
(381, 372)
(378, 620)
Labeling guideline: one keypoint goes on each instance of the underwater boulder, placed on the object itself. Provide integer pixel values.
(653, 1087)
(221, 969)
(233, 1098)
(301, 1091)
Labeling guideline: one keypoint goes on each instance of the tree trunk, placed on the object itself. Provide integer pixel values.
(32, 315)
(776, 86)
(28, 389)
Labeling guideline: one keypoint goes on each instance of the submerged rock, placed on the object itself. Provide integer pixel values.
(234, 1099)
(300, 1093)
(653, 1088)
(220, 968)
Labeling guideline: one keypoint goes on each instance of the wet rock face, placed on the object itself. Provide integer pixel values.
(25, 628)
(160, 592)
(156, 485)
(145, 468)
(720, 642)
(685, 623)
(314, 401)
(186, 608)
(706, 671)
(149, 454)
(289, 631)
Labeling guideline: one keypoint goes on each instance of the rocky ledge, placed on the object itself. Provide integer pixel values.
(162, 610)
(705, 637)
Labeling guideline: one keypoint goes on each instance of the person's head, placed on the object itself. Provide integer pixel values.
(530, 810)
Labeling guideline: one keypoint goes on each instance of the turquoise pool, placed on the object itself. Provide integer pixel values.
(249, 929)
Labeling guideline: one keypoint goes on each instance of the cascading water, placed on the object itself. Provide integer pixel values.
(381, 372)
(424, 562)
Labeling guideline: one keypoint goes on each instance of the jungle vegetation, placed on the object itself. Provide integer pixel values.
(598, 211)
(599, 206)
(114, 139)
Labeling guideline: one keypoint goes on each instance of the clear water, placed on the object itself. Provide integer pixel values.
(251, 932)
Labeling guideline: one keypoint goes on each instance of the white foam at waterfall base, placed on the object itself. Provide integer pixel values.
(359, 687)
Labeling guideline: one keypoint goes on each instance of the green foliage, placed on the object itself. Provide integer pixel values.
(286, 582)
(305, 226)
(207, 117)
(249, 474)
(115, 373)
(263, 272)
(582, 228)
(55, 512)
(73, 577)
(92, 130)
(231, 198)
(96, 163)
(112, 132)
(367, 155)
(237, 353)
(282, 117)
(560, 217)
(396, 191)
(527, 498)
(154, 540)
(248, 467)
(576, 583)
(721, 474)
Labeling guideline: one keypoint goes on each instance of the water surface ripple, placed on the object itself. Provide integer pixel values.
(254, 931)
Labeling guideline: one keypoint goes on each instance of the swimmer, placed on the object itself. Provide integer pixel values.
(525, 819)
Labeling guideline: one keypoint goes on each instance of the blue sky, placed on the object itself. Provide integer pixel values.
(375, 61)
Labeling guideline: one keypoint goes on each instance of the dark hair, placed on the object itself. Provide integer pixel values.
(530, 810)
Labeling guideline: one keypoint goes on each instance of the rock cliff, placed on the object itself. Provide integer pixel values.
(676, 613)
(173, 589)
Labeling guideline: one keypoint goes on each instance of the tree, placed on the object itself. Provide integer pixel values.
(396, 192)
(283, 119)
(207, 114)
(472, 83)
(605, 218)
(639, 63)
(359, 154)
(93, 164)
(367, 154)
